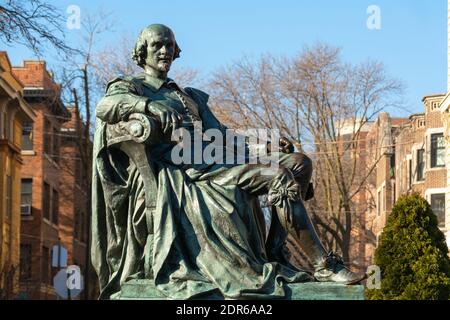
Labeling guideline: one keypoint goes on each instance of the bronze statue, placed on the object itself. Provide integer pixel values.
(194, 229)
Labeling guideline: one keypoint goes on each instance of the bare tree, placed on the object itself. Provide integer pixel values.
(33, 23)
(323, 105)
(79, 90)
(112, 61)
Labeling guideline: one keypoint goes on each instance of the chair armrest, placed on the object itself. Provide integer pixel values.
(139, 128)
(133, 137)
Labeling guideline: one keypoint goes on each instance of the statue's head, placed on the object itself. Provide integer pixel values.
(156, 48)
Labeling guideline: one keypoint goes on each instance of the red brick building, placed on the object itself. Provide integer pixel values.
(49, 190)
(75, 164)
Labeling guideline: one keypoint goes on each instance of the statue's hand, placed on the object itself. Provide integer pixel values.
(286, 145)
(169, 117)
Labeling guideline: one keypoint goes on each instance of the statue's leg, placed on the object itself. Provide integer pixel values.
(327, 266)
(301, 167)
(276, 239)
(297, 167)
(284, 192)
(285, 195)
(259, 179)
(276, 242)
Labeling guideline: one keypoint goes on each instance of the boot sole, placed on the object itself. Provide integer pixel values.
(348, 283)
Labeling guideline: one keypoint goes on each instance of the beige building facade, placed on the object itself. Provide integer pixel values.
(381, 185)
(422, 161)
(445, 111)
(410, 156)
(15, 115)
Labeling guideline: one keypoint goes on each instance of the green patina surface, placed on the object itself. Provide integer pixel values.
(145, 290)
(195, 227)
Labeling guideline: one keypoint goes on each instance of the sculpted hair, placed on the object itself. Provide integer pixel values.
(140, 49)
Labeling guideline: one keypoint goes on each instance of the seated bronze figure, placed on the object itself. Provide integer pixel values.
(194, 229)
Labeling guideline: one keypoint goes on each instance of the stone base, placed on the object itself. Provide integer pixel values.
(325, 291)
(145, 290)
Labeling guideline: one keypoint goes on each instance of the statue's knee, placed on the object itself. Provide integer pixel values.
(284, 174)
(284, 187)
(302, 164)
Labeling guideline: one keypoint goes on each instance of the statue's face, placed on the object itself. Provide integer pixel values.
(160, 50)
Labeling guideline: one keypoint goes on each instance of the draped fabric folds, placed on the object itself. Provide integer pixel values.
(205, 239)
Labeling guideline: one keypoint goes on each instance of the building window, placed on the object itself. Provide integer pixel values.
(55, 152)
(83, 230)
(47, 137)
(77, 225)
(46, 201)
(26, 195)
(420, 123)
(410, 175)
(25, 262)
(377, 239)
(78, 171)
(8, 197)
(50, 204)
(420, 164)
(80, 226)
(27, 136)
(437, 150)
(55, 206)
(381, 203)
(392, 164)
(393, 191)
(434, 105)
(378, 203)
(45, 275)
(438, 207)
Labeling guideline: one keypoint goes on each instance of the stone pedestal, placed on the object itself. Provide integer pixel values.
(145, 290)
(325, 291)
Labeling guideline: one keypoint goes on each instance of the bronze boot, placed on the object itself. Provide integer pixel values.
(328, 266)
(331, 268)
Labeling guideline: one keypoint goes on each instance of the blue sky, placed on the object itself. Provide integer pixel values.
(412, 41)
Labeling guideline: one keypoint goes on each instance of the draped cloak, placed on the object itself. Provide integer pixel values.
(207, 239)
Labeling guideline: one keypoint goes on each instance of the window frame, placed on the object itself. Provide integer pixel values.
(45, 266)
(25, 271)
(434, 150)
(440, 213)
(420, 165)
(30, 138)
(22, 193)
(48, 143)
(55, 206)
(46, 205)
(9, 197)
